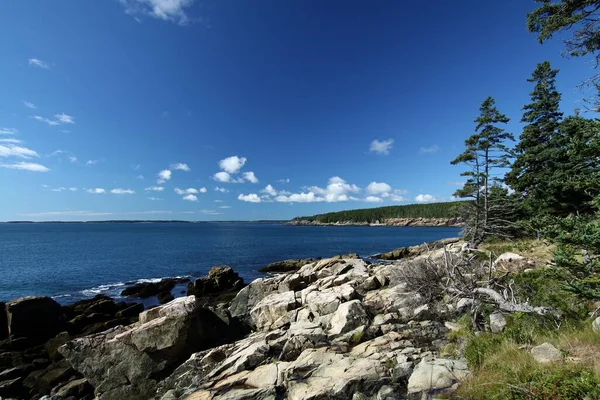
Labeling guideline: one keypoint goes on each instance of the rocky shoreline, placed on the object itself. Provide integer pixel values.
(426, 222)
(338, 328)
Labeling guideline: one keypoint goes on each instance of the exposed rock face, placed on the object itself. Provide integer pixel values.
(3, 322)
(437, 376)
(29, 369)
(286, 265)
(337, 328)
(386, 222)
(127, 362)
(35, 318)
(149, 289)
(322, 333)
(412, 251)
(219, 281)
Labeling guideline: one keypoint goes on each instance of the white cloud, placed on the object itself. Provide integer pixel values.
(270, 190)
(181, 167)
(225, 177)
(232, 164)
(26, 166)
(424, 198)
(167, 10)
(154, 189)
(163, 176)
(379, 188)
(203, 190)
(286, 180)
(250, 177)
(211, 212)
(397, 198)
(122, 191)
(91, 162)
(60, 189)
(220, 189)
(73, 159)
(96, 191)
(190, 197)
(64, 118)
(337, 190)
(373, 199)
(225, 207)
(251, 198)
(73, 189)
(429, 150)
(381, 147)
(13, 141)
(139, 177)
(218, 201)
(7, 131)
(29, 105)
(38, 63)
(154, 198)
(309, 197)
(186, 191)
(46, 120)
(11, 150)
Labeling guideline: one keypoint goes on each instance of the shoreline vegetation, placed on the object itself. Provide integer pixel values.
(430, 214)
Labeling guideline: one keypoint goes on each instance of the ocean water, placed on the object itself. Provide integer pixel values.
(70, 261)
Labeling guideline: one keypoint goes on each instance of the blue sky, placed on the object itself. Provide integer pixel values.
(244, 110)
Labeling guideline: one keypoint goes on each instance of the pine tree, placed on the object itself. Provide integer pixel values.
(485, 152)
(536, 153)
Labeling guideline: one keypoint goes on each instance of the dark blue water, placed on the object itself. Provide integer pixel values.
(75, 261)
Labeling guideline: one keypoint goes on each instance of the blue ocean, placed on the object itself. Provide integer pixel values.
(73, 261)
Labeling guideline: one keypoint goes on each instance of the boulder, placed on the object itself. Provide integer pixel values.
(271, 308)
(319, 374)
(53, 344)
(78, 388)
(132, 311)
(497, 322)
(437, 376)
(348, 316)
(219, 280)
(546, 353)
(126, 362)
(35, 318)
(286, 265)
(3, 322)
(596, 325)
(165, 297)
(149, 289)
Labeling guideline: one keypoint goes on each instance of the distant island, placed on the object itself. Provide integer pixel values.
(431, 214)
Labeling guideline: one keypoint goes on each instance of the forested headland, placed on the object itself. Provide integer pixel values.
(448, 210)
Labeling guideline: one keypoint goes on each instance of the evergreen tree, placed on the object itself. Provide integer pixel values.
(485, 152)
(536, 153)
(578, 16)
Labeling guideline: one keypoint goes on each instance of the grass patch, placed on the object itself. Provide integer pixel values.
(539, 250)
(503, 368)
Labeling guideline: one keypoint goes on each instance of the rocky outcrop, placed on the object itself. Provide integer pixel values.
(324, 333)
(413, 251)
(128, 362)
(30, 364)
(338, 328)
(151, 289)
(34, 319)
(221, 283)
(286, 265)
